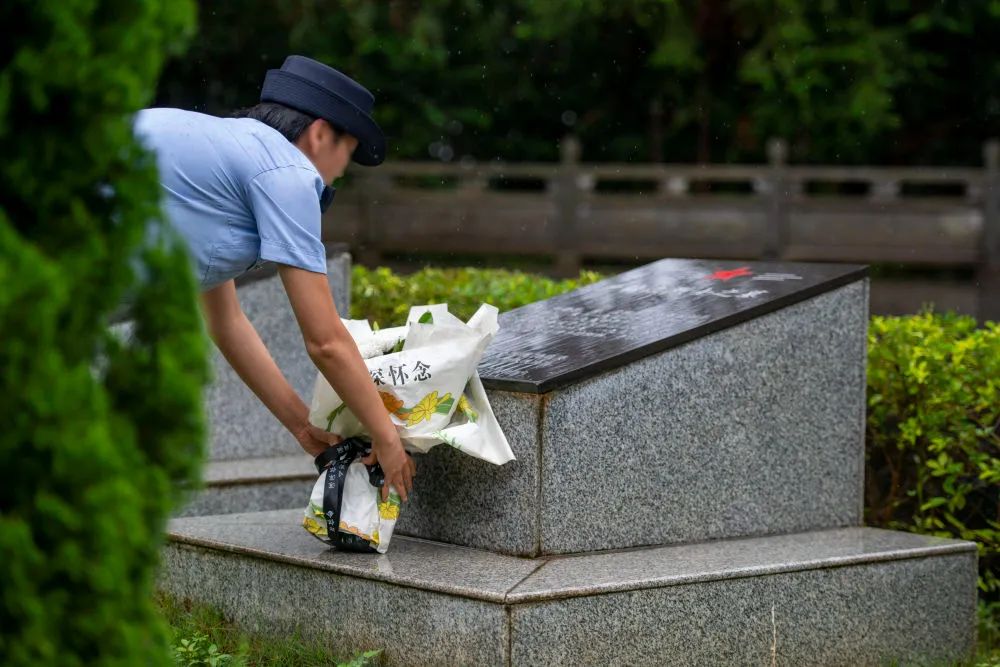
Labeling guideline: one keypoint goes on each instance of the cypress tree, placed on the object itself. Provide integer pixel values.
(101, 434)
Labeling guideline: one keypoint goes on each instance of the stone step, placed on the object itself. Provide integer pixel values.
(240, 426)
(852, 596)
(709, 408)
(252, 485)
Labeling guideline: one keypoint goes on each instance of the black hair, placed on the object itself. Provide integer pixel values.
(290, 122)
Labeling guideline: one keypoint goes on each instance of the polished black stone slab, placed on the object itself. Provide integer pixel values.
(549, 344)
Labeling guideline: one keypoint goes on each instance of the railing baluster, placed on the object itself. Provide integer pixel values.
(565, 189)
(989, 266)
(776, 225)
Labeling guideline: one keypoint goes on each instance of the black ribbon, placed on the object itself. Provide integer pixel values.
(336, 460)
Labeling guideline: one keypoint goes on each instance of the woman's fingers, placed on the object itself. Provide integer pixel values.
(396, 482)
(401, 480)
(405, 485)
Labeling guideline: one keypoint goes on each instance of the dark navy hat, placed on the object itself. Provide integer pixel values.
(319, 90)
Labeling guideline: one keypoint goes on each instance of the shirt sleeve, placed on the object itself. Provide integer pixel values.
(285, 204)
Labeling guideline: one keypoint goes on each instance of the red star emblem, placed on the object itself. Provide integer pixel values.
(732, 273)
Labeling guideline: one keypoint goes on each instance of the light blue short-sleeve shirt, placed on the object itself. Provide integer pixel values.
(237, 191)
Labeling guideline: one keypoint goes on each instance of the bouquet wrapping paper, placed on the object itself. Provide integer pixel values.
(425, 373)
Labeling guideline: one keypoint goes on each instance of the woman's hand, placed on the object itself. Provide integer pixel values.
(315, 440)
(397, 465)
(336, 355)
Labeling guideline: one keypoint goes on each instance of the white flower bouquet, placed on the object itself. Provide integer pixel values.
(425, 373)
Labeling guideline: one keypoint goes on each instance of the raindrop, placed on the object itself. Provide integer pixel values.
(434, 149)
(446, 153)
(569, 118)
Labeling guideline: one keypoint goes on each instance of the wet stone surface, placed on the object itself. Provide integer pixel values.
(549, 344)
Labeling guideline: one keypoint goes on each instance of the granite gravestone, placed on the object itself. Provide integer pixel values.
(676, 403)
(711, 399)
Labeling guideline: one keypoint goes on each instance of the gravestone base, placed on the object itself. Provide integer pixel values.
(750, 430)
(849, 596)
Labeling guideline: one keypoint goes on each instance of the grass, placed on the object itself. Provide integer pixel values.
(203, 636)
(988, 654)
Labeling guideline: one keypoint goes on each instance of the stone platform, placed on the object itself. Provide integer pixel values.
(687, 491)
(665, 405)
(850, 596)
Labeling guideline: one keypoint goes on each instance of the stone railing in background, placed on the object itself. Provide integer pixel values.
(575, 212)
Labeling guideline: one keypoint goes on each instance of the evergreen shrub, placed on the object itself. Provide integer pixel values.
(933, 431)
(101, 434)
(380, 295)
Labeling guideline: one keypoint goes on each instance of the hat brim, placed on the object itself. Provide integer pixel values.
(302, 94)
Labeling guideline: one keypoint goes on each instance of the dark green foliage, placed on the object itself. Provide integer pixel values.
(383, 297)
(989, 635)
(842, 80)
(100, 435)
(933, 440)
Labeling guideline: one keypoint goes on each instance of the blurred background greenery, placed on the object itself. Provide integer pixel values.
(845, 81)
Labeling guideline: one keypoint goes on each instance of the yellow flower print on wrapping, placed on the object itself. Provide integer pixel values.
(313, 526)
(388, 510)
(427, 407)
(466, 409)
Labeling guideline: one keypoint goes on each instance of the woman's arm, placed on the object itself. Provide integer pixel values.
(242, 347)
(336, 355)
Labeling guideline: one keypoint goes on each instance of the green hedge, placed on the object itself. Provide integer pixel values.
(933, 435)
(379, 295)
(100, 435)
(933, 428)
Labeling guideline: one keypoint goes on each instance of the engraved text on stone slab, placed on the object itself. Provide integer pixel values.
(548, 344)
